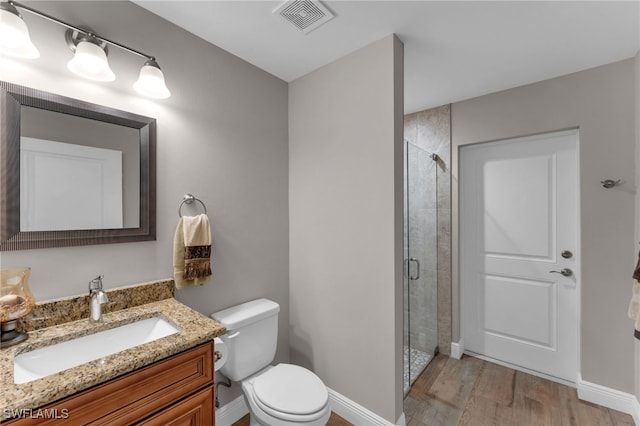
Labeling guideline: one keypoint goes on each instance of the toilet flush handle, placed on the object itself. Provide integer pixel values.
(233, 335)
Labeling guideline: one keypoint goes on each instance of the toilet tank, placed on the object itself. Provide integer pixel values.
(252, 337)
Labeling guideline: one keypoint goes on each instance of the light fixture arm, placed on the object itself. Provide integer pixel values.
(78, 29)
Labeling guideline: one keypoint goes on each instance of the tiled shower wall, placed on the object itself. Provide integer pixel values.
(431, 131)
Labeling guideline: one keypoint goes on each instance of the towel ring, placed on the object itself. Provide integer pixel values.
(189, 198)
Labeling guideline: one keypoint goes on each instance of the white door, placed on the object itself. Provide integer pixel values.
(518, 231)
(69, 187)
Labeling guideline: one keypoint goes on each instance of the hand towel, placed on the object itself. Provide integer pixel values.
(192, 251)
(634, 306)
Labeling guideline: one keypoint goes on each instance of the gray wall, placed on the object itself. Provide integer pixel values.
(345, 174)
(221, 136)
(598, 101)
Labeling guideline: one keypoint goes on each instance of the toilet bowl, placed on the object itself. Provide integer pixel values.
(281, 395)
(286, 395)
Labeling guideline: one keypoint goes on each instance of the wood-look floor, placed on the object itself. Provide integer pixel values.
(473, 392)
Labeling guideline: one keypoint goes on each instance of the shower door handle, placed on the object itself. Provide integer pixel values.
(417, 276)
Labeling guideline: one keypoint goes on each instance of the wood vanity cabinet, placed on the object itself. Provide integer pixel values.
(176, 391)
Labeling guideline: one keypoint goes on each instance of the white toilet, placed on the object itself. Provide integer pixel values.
(284, 395)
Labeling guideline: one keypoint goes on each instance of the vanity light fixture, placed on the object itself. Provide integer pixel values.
(14, 34)
(151, 81)
(90, 59)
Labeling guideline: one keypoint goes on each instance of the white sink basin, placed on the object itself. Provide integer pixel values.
(52, 359)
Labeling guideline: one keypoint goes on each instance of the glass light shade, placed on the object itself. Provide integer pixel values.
(14, 36)
(90, 61)
(16, 299)
(151, 81)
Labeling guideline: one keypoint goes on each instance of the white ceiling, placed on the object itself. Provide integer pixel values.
(454, 50)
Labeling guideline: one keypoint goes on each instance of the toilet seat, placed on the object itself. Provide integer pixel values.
(289, 393)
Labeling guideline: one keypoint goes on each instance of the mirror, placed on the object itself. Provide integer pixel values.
(73, 173)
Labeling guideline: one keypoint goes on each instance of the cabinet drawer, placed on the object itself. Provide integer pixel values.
(197, 410)
(135, 396)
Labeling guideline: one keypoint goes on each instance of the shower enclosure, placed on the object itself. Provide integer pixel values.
(420, 254)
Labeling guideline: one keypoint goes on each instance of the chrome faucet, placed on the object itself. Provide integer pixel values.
(98, 298)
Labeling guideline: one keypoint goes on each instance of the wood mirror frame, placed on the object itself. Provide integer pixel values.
(12, 98)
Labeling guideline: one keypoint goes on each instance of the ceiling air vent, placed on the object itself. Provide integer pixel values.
(306, 15)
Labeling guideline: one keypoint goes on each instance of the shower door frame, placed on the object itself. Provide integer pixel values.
(418, 267)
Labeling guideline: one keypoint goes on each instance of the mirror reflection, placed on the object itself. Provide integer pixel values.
(77, 173)
(73, 172)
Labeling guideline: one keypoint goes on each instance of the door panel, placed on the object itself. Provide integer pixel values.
(518, 309)
(518, 211)
(507, 207)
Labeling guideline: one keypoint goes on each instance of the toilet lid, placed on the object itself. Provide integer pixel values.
(291, 389)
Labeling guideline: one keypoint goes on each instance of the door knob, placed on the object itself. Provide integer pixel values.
(565, 272)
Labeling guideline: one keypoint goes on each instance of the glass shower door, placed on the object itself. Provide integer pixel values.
(420, 254)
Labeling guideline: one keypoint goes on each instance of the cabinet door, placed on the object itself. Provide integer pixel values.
(196, 410)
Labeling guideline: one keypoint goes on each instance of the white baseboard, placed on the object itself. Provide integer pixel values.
(231, 412)
(356, 413)
(610, 398)
(636, 412)
(457, 349)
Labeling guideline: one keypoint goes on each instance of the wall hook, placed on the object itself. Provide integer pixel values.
(610, 183)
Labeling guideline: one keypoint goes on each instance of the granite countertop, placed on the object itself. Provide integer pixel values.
(195, 329)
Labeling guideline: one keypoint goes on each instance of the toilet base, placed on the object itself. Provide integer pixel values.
(255, 421)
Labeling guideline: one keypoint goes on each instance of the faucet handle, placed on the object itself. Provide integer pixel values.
(96, 283)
